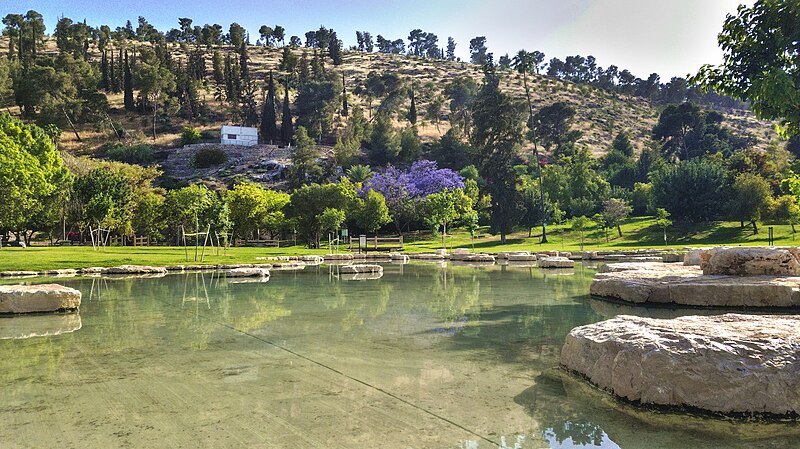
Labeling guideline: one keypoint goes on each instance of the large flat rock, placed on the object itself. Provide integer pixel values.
(686, 285)
(556, 262)
(731, 364)
(134, 269)
(247, 273)
(38, 298)
(753, 261)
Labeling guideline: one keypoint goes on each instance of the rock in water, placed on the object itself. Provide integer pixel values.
(247, 273)
(754, 262)
(556, 262)
(38, 298)
(727, 364)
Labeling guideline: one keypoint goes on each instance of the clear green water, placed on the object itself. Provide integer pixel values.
(425, 357)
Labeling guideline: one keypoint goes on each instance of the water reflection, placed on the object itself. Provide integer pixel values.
(38, 325)
(574, 414)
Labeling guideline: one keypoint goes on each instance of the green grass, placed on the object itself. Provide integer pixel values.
(637, 233)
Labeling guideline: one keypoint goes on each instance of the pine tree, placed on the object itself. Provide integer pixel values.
(345, 106)
(335, 49)
(287, 130)
(269, 130)
(412, 111)
(128, 85)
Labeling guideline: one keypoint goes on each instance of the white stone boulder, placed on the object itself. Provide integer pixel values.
(18, 274)
(753, 261)
(478, 258)
(288, 266)
(134, 269)
(556, 262)
(521, 257)
(731, 364)
(38, 298)
(357, 269)
(246, 273)
(328, 257)
(686, 285)
(506, 254)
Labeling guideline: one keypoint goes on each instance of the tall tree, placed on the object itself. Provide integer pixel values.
(477, 50)
(451, 49)
(412, 110)
(497, 133)
(287, 129)
(128, 85)
(269, 129)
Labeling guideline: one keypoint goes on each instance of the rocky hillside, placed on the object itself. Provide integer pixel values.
(600, 114)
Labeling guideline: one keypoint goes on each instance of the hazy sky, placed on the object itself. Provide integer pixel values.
(669, 37)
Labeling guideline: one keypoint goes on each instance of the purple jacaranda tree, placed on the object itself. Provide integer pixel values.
(404, 190)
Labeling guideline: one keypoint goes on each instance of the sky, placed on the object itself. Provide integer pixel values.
(668, 37)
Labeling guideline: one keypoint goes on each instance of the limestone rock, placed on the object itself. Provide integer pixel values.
(355, 269)
(521, 257)
(478, 258)
(338, 257)
(724, 363)
(289, 266)
(134, 269)
(687, 286)
(508, 254)
(246, 272)
(427, 256)
(753, 261)
(38, 298)
(646, 266)
(672, 258)
(556, 262)
(18, 274)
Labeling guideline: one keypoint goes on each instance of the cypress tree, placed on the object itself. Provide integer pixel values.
(112, 74)
(104, 71)
(121, 72)
(287, 130)
(243, 69)
(412, 111)
(128, 85)
(345, 107)
(269, 129)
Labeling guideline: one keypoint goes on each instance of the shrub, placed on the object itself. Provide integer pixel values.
(190, 135)
(135, 154)
(209, 157)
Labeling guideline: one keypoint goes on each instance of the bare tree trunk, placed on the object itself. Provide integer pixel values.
(72, 125)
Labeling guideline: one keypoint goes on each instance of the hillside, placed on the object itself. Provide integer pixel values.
(600, 114)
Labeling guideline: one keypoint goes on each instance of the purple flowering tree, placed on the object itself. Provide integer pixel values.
(405, 190)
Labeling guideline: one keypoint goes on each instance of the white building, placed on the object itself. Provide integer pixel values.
(239, 135)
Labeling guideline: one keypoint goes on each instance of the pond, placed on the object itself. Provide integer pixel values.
(424, 357)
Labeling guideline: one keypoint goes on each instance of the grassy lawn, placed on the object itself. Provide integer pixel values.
(638, 233)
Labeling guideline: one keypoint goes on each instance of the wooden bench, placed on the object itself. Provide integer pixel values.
(378, 244)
